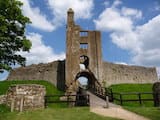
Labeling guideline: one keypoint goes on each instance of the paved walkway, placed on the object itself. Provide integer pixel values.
(97, 105)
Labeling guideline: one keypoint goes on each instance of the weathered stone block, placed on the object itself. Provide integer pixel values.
(26, 96)
(2, 99)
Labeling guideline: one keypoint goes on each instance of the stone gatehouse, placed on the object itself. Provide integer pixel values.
(83, 58)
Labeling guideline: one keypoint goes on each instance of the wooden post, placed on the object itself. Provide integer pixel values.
(121, 99)
(45, 101)
(88, 100)
(107, 102)
(21, 104)
(139, 96)
(12, 105)
(112, 98)
(68, 100)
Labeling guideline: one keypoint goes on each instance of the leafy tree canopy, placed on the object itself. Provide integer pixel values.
(12, 34)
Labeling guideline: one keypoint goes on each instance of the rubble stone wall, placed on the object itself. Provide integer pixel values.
(54, 72)
(2, 99)
(117, 73)
(26, 96)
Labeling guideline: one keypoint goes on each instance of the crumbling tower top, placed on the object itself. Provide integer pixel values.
(70, 17)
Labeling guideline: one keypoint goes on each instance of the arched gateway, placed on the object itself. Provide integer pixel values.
(83, 54)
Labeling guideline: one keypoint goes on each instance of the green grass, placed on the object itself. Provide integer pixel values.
(146, 109)
(50, 89)
(76, 113)
(132, 88)
(125, 88)
(52, 112)
(152, 113)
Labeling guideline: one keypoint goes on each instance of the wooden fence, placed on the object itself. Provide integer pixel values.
(76, 100)
(128, 96)
(138, 96)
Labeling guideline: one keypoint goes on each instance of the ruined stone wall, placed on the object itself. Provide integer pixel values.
(116, 73)
(53, 72)
(25, 97)
(2, 99)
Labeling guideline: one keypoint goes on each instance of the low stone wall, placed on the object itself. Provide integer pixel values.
(25, 96)
(2, 99)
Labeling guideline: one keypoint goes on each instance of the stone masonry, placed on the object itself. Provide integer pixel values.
(83, 58)
(117, 73)
(2, 99)
(53, 72)
(112, 73)
(26, 96)
(81, 44)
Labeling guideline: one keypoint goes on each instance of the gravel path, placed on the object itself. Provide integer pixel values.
(97, 105)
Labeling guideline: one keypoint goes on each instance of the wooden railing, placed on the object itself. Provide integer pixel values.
(122, 97)
(98, 90)
(76, 100)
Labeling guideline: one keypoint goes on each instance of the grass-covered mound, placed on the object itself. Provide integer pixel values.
(133, 88)
(146, 109)
(50, 88)
(149, 112)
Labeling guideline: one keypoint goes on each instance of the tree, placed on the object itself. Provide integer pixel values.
(12, 34)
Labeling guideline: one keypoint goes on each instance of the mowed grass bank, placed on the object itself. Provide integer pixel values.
(133, 88)
(146, 109)
(50, 89)
(52, 112)
(76, 113)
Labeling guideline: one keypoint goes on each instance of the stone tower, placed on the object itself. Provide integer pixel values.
(83, 48)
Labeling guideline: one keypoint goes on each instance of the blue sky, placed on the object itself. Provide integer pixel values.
(130, 29)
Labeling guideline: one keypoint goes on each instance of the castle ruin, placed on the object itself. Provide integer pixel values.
(83, 58)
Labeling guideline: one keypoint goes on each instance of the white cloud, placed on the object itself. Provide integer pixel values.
(121, 63)
(58, 8)
(40, 53)
(131, 12)
(111, 20)
(116, 3)
(38, 19)
(148, 36)
(141, 40)
(82, 8)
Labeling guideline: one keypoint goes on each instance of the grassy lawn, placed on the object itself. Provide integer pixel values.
(76, 113)
(146, 109)
(50, 89)
(132, 88)
(52, 112)
(152, 113)
(124, 88)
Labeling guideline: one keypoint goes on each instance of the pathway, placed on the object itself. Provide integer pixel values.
(97, 105)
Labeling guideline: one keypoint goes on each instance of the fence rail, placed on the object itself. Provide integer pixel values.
(78, 100)
(121, 97)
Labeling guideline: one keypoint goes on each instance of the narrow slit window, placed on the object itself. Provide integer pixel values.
(84, 46)
(84, 34)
